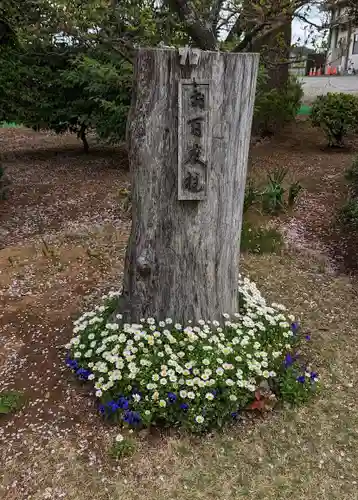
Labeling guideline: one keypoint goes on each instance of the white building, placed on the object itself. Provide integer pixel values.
(343, 39)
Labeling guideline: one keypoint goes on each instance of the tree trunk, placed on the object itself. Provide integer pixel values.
(181, 258)
(275, 53)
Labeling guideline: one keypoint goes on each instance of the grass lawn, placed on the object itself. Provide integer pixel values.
(62, 242)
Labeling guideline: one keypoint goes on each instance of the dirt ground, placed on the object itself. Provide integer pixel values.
(62, 243)
(312, 226)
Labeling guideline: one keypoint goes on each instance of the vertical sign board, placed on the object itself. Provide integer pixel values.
(194, 139)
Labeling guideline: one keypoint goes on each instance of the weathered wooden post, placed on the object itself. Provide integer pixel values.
(189, 139)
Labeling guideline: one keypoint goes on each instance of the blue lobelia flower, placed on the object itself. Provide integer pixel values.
(123, 403)
(184, 406)
(289, 360)
(234, 414)
(294, 327)
(214, 392)
(314, 376)
(131, 417)
(172, 397)
(71, 363)
(113, 406)
(102, 409)
(308, 337)
(83, 374)
(301, 379)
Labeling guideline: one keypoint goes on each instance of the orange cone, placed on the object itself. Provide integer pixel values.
(319, 72)
(328, 72)
(314, 72)
(334, 71)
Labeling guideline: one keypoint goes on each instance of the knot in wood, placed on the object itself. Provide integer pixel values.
(145, 262)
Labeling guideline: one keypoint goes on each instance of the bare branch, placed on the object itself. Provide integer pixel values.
(214, 15)
(202, 35)
(236, 29)
(311, 23)
(125, 51)
(249, 37)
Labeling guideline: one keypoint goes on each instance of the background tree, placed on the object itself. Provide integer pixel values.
(66, 43)
(353, 10)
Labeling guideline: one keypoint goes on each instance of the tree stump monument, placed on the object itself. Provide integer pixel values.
(189, 136)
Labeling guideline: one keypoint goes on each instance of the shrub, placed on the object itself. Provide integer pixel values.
(74, 90)
(349, 213)
(4, 184)
(105, 88)
(337, 115)
(276, 107)
(198, 377)
(352, 176)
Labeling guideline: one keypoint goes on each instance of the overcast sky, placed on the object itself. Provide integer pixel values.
(302, 33)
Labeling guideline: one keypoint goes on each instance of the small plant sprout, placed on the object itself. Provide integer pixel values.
(10, 401)
(122, 447)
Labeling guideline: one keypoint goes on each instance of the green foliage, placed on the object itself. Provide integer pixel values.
(274, 194)
(337, 115)
(275, 197)
(10, 401)
(4, 184)
(66, 68)
(275, 107)
(352, 176)
(69, 70)
(273, 201)
(297, 384)
(251, 195)
(349, 214)
(260, 240)
(353, 10)
(122, 447)
(9, 125)
(106, 87)
(68, 91)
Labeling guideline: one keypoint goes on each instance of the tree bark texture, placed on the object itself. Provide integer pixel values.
(181, 258)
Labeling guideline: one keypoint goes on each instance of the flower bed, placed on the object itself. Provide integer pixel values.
(195, 376)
